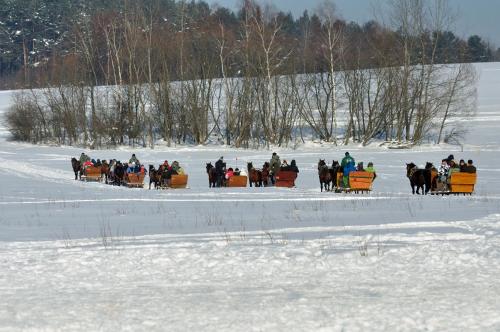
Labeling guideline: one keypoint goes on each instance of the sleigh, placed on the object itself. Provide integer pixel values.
(459, 183)
(92, 173)
(178, 181)
(359, 182)
(134, 180)
(286, 179)
(237, 181)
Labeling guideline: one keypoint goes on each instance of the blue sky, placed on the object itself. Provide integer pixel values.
(480, 17)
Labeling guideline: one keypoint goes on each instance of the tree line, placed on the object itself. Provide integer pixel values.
(136, 72)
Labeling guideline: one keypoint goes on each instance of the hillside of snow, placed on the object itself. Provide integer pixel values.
(88, 256)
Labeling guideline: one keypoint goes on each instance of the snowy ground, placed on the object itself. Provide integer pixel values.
(86, 256)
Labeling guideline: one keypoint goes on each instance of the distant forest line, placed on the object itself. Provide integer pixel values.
(185, 73)
(41, 38)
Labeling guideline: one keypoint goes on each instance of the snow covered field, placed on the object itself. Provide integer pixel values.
(86, 256)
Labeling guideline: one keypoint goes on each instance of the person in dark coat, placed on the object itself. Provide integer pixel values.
(450, 159)
(470, 168)
(220, 170)
(293, 166)
(462, 165)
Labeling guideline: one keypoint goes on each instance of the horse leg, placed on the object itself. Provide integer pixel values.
(413, 188)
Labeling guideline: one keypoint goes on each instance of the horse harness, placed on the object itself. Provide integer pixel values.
(412, 172)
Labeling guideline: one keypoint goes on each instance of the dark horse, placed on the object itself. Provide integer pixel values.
(334, 171)
(154, 177)
(119, 174)
(254, 175)
(77, 167)
(325, 178)
(212, 175)
(419, 178)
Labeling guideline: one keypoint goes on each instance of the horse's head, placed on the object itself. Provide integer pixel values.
(409, 168)
(151, 168)
(209, 167)
(321, 163)
(335, 163)
(249, 165)
(429, 165)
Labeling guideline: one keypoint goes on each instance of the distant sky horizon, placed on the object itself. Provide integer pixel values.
(479, 17)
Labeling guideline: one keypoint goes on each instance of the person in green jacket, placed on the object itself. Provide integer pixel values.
(371, 169)
(275, 165)
(347, 160)
(134, 160)
(84, 158)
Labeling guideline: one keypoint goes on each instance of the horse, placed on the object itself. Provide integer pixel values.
(105, 171)
(334, 171)
(154, 177)
(265, 173)
(419, 178)
(119, 174)
(324, 175)
(430, 167)
(254, 175)
(212, 175)
(77, 167)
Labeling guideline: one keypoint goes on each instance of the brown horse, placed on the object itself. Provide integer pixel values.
(254, 175)
(266, 173)
(77, 168)
(212, 175)
(154, 177)
(105, 171)
(325, 177)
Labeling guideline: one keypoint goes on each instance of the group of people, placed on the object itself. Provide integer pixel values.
(348, 165)
(275, 166)
(86, 162)
(166, 170)
(115, 170)
(224, 173)
(448, 167)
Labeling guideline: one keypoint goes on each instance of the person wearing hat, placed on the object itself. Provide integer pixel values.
(450, 159)
(462, 165)
(347, 160)
(371, 169)
(220, 170)
(274, 165)
(453, 169)
(348, 167)
(133, 159)
(84, 158)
